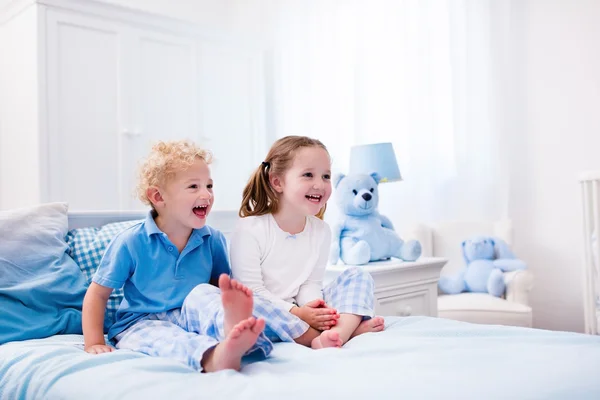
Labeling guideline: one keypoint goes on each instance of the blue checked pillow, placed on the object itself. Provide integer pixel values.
(86, 247)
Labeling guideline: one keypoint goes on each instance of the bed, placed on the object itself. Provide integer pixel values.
(589, 183)
(414, 358)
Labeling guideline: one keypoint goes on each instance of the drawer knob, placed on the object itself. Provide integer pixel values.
(405, 311)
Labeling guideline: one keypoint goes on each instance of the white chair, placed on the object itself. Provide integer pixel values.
(444, 240)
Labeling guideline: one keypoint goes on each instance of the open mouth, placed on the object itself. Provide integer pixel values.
(314, 198)
(200, 211)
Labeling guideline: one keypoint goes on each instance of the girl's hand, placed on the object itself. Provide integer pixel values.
(317, 314)
(99, 349)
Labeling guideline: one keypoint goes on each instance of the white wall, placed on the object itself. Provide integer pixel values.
(556, 135)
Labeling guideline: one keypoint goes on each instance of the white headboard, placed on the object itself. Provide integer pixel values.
(84, 219)
(222, 220)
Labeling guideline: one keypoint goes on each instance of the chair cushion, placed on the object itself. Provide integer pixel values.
(484, 309)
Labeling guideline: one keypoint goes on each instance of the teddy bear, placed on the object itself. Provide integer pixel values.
(486, 259)
(363, 234)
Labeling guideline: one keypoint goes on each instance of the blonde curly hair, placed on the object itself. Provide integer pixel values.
(166, 158)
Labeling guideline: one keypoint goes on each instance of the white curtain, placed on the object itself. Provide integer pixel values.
(425, 75)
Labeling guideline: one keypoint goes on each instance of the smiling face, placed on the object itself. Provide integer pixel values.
(306, 186)
(186, 199)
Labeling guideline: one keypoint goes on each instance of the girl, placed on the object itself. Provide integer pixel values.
(281, 245)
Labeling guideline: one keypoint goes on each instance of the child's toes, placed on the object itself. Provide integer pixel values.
(259, 326)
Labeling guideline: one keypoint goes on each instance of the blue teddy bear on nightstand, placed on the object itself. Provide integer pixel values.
(363, 234)
(486, 260)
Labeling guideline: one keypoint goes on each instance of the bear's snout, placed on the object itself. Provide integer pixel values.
(367, 196)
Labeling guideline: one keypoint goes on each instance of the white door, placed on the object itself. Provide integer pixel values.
(83, 60)
(162, 92)
(113, 90)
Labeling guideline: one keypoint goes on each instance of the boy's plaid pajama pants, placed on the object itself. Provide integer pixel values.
(185, 334)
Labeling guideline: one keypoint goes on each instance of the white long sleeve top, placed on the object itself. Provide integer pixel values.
(286, 269)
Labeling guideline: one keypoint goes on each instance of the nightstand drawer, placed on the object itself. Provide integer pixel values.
(405, 304)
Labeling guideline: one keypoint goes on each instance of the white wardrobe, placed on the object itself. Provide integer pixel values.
(86, 87)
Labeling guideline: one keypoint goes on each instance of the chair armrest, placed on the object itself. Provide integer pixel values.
(518, 286)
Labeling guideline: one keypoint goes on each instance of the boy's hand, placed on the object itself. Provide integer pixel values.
(99, 349)
(317, 314)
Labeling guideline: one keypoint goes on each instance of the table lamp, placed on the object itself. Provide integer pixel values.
(376, 157)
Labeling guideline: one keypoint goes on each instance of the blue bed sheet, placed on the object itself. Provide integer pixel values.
(414, 358)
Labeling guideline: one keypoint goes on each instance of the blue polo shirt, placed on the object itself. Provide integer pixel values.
(154, 276)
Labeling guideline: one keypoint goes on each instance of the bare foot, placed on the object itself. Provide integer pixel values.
(375, 324)
(327, 339)
(237, 302)
(228, 354)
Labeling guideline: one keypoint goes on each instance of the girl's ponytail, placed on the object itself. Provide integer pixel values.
(258, 197)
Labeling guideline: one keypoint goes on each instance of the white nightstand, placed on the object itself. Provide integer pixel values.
(401, 288)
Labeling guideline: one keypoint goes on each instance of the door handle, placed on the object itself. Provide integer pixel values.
(130, 133)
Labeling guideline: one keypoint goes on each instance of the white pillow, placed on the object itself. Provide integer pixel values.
(41, 287)
(22, 223)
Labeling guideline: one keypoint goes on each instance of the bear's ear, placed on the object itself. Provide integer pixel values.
(464, 253)
(337, 179)
(501, 249)
(376, 177)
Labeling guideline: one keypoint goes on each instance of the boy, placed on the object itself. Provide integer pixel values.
(161, 260)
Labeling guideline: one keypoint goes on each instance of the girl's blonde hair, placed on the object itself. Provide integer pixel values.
(259, 198)
(164, 161)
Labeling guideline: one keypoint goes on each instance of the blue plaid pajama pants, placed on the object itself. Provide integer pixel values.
(186, 333)
(352, 292)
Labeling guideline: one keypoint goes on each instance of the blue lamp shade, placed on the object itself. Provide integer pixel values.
(376, 157)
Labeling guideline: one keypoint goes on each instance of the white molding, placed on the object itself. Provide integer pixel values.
(132, 17)
(146, 20)
(13, 8)
(125, 14)
(394, 264)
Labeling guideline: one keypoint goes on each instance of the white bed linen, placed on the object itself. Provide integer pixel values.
(414, 358)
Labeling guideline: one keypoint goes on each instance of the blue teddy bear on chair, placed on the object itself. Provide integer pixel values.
(363, 234)
(486, 260)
